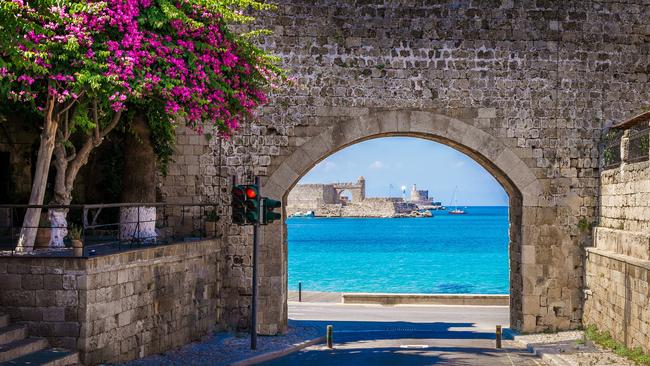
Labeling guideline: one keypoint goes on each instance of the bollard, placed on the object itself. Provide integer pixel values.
(330, 341)
(299, 291)
(498, 336)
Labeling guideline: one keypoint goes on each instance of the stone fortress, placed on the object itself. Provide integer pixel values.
(329, 200)
(423, 201)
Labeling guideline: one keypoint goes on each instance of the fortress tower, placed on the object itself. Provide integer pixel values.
(419, 195)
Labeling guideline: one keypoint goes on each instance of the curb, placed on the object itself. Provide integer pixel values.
(280, 353)
(425, 299)
(549, 353)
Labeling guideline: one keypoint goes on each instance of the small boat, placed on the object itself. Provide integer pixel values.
(456, 210)
(303, 214)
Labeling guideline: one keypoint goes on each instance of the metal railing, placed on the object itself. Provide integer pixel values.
(638, 145)
(627, 142)
(612, 149)
(96, 229)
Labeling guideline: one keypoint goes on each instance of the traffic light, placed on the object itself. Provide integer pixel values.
(239, 205)
(268, 216)
(245, 204)
(252, 204)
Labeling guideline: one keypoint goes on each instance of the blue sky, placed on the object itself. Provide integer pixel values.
(404, 161)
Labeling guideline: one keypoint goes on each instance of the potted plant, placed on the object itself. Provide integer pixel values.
(74, 234)
(211, 218)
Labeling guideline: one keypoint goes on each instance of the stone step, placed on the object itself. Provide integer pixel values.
(20, 348)
(46, 357)
(4, 320)
(12, 333)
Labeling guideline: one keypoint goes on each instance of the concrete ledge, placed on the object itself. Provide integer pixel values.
(425, 299)
(619, 257)
(277, 354)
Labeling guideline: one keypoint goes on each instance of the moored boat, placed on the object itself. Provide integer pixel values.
(456, 210)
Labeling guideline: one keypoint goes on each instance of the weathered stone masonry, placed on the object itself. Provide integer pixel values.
(618, 266)
(116, 307)
(523, 87)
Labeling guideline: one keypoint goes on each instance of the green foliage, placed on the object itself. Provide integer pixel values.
(212, 216)
(163, 136)
(74, 232)
(232, 11)
(644, 143)
(608, 155)
(605, 339)
(584, 225)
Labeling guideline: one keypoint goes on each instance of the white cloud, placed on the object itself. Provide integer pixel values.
(376, 165)
(326, 166)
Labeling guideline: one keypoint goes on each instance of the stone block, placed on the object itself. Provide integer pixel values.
(487, 113)
(53, 314)
(69, 282)
(32, 282)
(53, 282)
(10, 281)
(44, 298)
(67, 298)
(67, 329)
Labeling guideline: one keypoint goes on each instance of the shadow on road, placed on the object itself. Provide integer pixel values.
(406, 343)
(373, 330)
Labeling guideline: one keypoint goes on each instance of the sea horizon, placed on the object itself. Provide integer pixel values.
(446, 254)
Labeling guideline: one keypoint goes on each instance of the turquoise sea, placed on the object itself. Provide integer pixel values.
(445, 254)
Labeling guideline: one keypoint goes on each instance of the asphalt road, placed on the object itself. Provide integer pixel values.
(406, 335)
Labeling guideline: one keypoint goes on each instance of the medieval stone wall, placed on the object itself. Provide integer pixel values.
(523, 87)
(370, 207)
(118, 307)
(618, 266)
(306, 197)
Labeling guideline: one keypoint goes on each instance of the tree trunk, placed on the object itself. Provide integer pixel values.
(138, 183)
(62, 196)
(67, 168)
(44, 157)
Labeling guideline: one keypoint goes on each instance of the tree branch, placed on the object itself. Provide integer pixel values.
(81, 157)
(73, 155)
(72, 102)
(66, 129)
(112, 125)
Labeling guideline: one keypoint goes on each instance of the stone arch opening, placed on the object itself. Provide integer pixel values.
(503, 163)
(345, 195)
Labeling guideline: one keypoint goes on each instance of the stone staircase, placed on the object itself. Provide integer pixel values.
(17, 349)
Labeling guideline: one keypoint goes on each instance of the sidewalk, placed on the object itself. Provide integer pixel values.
(223, 348)
(570, 349)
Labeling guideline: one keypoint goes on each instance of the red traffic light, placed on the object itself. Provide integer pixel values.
(251, 193)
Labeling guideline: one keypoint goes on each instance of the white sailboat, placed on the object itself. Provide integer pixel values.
(456, 210)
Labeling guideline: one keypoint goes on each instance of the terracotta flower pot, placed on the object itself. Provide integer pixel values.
(77, 247)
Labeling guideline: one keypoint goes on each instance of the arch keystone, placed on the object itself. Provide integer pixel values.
(429, 123)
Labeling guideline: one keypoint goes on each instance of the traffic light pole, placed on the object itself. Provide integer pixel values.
(256, 229)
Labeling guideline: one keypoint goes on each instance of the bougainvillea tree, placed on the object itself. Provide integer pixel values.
(81, 64)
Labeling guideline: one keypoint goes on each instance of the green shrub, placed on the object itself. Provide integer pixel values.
(605, 339)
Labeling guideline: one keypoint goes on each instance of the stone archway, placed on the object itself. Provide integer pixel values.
(519, 181)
